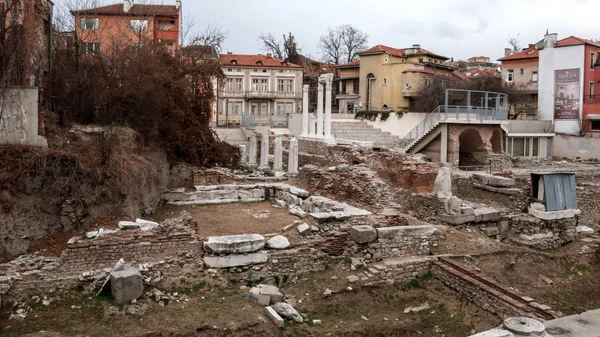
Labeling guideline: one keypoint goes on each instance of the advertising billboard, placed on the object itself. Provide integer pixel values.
(567, 91)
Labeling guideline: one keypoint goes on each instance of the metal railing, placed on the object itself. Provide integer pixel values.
(452, 113)
(261, 94)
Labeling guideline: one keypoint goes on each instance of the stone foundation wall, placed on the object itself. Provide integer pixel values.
(542, 234)
(475, 294)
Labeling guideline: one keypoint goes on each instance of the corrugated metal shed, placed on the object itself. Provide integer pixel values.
(556, 190)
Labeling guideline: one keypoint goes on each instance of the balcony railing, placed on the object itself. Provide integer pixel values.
(262, 94)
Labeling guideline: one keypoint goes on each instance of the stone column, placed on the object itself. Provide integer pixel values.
(327, 122)
(293, 157)
(312, 131)
(278, 155)
(264, 152)
(320, 110)
(305, 111)
(242, 154)
(252, 150)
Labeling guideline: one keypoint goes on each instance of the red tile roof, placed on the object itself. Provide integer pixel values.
(529, 53)
(136, 10)
(575, 41)
(349, 65)
(398, 52)
(480, 73)
(460, 75)
(254, 61)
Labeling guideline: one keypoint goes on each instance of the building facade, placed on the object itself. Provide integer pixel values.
(348, 84)
(258, 87)
(479, 62)
(389, 78)
(568, 84)
(107, 28)
(520, 71)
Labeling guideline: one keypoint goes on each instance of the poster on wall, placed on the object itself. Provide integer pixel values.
(567, 94)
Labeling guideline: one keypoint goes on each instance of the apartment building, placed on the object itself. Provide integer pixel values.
(389, 78)
(260, 86)
(479, 62)
(105, 28)
(348, 82)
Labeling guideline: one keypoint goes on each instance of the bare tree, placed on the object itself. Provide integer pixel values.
(213, 36)
(515, 43)
(354, 41)
(331, 46)
(285, 49)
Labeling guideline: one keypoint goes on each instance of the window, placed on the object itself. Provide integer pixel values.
(289, 85)
(280, 85)
(254, 84)
(355, 87)
(592, 60)
(229, 85)
(522, 71)
(386, 60)
(426, 82)
(89, 23)
(406, 86)
(166, 25)
(420, 60)
(139, 25)
(592, 91)
(91, 48)
(510, 77)
(595, 125)
(534, 76)
(264, 85)
(385, 81)
(238, 84)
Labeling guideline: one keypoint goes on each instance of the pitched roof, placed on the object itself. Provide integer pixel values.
(254, 61)
(136, 10)
(353, 64)
(529, 53)
(460, 75)
(378, 49)
(200, 52)
(480, 73)
(575, 41)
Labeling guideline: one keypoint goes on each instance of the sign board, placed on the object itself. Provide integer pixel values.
(567, 91)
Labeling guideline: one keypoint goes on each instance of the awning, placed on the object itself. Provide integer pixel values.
(594, 117)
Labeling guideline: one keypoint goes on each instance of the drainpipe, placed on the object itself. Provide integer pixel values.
(49, 57)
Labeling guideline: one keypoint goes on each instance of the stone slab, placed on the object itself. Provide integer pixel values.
(275, 317)
(278, 242)
(458, 219)
(416, 231)
(235, 260)
(126, 285)
(486, 214)
(492, 180)
(467, 210)
(363, 234)
(556, 215)
(234, 244)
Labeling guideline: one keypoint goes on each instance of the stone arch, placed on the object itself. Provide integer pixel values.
(496, 141)
(472, 149)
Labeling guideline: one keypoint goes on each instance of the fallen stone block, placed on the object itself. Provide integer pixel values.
(128, 225)
(287, 311)
(486, 187)
(234, 244)
(352, 278)
(258, 298)
(272, 292)
(492, 180)
(509, 191)
(486, 214)
(420, 308)
(322, 217)
(585, 230)
(304, 229)
(278, 242)
(297, 211)
(491, 231)
(299, 192)
(229, 261)
(458, 219)
(467, 210)
(555, 215)
(146, 225)
(452, 205)
(363, 234)
(275, 317)
(126, 284)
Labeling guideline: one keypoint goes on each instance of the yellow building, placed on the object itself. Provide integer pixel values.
(388, 78)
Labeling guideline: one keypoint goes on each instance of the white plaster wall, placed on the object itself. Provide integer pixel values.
(400, 126)
(19, 117)
(552, 59)
(576, 146)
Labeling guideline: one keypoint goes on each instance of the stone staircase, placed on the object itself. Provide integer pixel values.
(353, 130)
(233, 136)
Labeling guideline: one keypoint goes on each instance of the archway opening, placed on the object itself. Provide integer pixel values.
(496, 141)
(472, 151)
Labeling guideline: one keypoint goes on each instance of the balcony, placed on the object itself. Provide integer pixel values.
(410, 92)
(261, 94)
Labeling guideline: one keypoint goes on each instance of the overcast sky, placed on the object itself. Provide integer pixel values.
(453, 28)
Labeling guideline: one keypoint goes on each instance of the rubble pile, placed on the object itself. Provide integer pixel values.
(183, 224)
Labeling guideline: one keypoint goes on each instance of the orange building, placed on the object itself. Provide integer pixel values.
(115, 26)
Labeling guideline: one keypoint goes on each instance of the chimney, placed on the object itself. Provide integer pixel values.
(127, 4)
(178, 4)
(416, 46)
(229, 53)
(269, 55)
(531, 46)
(550, 40)
(507, 51)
